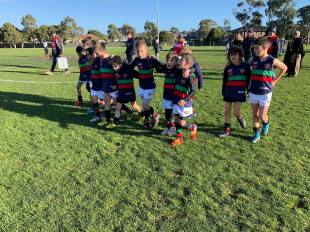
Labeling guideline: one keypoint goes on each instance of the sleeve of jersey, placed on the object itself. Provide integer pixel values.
(159, 67)
(199, 75)
(133, 64)
(192, 88)
(225, 78)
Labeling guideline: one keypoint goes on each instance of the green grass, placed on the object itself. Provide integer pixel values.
(59, 173)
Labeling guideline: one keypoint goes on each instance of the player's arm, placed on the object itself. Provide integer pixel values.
(225, 78)
(283, 68)
(199, 75)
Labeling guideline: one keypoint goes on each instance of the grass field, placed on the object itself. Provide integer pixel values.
(60, 173)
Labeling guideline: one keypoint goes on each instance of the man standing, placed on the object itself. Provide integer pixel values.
(131, 50)
(247, 45)
(273, 39)
(157, 48)
(45, 46)
(57, 51)
(293, 55)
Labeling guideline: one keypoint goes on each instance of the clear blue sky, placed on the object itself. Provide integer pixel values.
(97, 14)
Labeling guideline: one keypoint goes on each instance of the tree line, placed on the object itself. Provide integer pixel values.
(281, 14)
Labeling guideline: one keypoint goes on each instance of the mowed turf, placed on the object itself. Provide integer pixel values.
(60, 173)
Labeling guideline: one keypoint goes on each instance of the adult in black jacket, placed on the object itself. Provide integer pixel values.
(294, 53)
(131, 47)
(247, 45)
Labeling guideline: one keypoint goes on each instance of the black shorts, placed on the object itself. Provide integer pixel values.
(126, 98)
(243, 99)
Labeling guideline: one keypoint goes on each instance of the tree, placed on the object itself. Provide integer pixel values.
(125, 28)
(98, 33)
(113, 33)
(175, 31)
(44, 33)
(166, 37)
(248, 13)
(304, 21)
(30, 25)
(227, 26)
(70, 30)
(11, 34)
(280, 15)
(150, 31)
(205, 26)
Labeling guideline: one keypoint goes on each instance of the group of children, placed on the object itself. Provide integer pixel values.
(110, 82)
(253, 80)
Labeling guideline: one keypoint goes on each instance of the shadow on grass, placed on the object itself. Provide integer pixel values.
(63, 112)
(215, 130)
(21, 66)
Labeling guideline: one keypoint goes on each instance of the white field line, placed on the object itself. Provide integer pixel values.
(39, 82)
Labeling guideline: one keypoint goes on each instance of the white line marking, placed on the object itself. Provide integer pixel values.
(40, 82)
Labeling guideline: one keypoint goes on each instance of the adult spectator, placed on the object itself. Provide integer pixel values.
(57, 51)
(157, 48)
(131, 47)
(45, 47)
(247, 45)
(274, 47)
(295, 51)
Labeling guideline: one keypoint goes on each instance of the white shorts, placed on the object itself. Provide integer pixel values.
(113, 94)
(167, 104)
(146, 94)
(183, 111)
(261, 100)
(99, 94)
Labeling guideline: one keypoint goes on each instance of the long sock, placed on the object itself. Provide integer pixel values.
(125, 108)
(142, 113)
(80, 98)
(107, 114)
(179, 130)
(265, 123)
(96, 108)
(151, 111)
(116, 121)
(187, 125)
(227, 126)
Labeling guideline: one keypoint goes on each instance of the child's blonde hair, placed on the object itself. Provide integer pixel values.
(189, 59)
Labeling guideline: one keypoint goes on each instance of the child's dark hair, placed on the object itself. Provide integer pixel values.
(79, 49)
(101, 44)
(237, 50)
(116, 60)
(261, 41)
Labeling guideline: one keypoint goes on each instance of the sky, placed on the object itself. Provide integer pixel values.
(98, 14)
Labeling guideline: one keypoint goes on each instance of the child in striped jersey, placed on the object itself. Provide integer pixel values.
(234, 90)
(97, 94)
(170, 70)
(125, 85)
(183, 99)
(85, 72)
(146, 65)
(263, 79)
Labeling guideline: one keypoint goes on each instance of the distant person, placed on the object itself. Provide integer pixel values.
(131, 47)
(274, 43)
(247, 45)
(85, 72)
(157, 48)
(57, 51)
(236, 42)
(294, 53)
(179, 45)
(45, 47)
